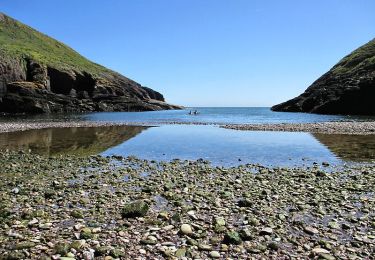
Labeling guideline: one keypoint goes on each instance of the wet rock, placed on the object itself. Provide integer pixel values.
(15, 255)
(49, 194)
(318, 250)
(327, 256)
(102, 251)
(273, 246)
(117, 253)
(346, 226)
(62, 248)
(204, 247)
(266, 231)
(176, 217)
(24, 245)
(192, 242)
(181, 252)
(322, 253)
(246, 234)
(77, 244)
(254, 221)
(86, 233)
(244, 203)
(333, 225)
(4, 212)
(257, 249)
(76, 214)
(214, 254)
(232, 237)
(325, 164)
(15, 190)
(135, 209)
(33, 222)
(148, 242)
(311, 230)
(219, 221)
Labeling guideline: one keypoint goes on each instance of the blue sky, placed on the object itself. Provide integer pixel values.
(208, 52)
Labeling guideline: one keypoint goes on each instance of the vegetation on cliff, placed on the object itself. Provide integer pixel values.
(39, 74)
(361, 58)
(18, 40)
(348, 88)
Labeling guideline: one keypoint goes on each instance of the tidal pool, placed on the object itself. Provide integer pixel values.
(219, 146)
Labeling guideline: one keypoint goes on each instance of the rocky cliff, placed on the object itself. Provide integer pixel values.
(41, 75)
(348, 88)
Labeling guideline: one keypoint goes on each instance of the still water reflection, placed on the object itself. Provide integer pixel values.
(220, 146)
(349, 147)
(73, 141)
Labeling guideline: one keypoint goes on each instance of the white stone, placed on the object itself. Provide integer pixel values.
(186, 229)
(318, 250)
(215, 254)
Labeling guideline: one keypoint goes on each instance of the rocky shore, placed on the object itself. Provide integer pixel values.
(125, 208)
(24, 126)
(351, 128)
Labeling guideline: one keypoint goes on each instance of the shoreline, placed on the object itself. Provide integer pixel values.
(350, 128)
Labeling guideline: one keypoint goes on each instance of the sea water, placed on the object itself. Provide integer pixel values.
(206, 115)
(185, 140)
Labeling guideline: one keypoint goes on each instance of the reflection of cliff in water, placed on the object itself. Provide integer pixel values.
(349, 147)
(75, 141)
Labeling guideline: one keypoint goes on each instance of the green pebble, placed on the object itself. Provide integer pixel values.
(232, 237)
(135, 209)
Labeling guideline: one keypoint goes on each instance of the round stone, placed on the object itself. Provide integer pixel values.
(215, 254)
(266, 231)
(318, 250)
(311, 230)
(186, 229)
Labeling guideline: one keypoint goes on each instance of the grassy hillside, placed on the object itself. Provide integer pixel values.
(361, 58)
(21, 41)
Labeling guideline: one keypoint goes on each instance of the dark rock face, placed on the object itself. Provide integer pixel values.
(37, 88)
(31, 97)
(37, 73)
(154, 94)
(11, 70)
(65, 83)
(348, 88)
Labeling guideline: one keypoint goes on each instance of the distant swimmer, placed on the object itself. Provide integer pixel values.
(195, 112)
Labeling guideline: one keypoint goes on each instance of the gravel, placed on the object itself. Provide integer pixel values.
(352, 128)
(73, 207)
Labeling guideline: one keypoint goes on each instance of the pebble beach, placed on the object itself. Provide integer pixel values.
(95, 207)
(352, 128)
(126, 208)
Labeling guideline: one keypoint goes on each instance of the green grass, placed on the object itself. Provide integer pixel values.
(21, 41)
(361, 58)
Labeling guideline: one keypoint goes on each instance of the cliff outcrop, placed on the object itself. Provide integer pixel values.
(41, 75)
